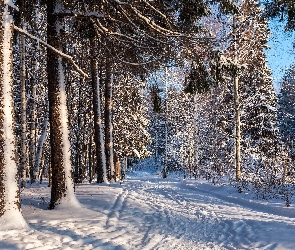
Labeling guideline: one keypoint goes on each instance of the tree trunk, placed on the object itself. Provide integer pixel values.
(117, 166)
(10, 215)
(49, 171)
(164, 170)
(62, 190)
(40, 148)
(109, 146)
(98, 129)
(42, 168)
(33, 133)
(23, 156)
(90, 166)
(237, 109)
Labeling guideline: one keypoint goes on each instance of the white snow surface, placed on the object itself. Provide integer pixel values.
(147, 212)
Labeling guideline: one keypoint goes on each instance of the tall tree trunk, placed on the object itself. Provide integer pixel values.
(237, 108)
(42, 169)
(98, 129)
(10, 215)
(90, 166)
(109, 145)
(196, 136)
(117, 166)
(40, 148)
(23, 156)
(33, 133)
(164, 170)
(62, 190)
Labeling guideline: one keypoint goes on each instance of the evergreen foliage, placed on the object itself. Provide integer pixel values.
(286, 110)
(284, 9)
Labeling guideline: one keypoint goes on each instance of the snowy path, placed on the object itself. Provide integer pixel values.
(149, 213)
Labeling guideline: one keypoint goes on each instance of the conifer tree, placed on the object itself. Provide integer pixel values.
(286, 107)
(260, 125)
(9, 191)
(62, 189)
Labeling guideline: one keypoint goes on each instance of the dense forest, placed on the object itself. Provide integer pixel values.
(87, 88)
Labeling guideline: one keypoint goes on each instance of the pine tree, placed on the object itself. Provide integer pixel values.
(287, 108)
(62, 190)
(284, 9)
(257, 96)
(131, 138)
(9, 191)
(260, 125)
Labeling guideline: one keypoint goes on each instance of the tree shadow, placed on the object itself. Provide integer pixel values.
(78, 240)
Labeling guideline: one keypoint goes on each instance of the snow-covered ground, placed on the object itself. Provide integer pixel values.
(147, 212)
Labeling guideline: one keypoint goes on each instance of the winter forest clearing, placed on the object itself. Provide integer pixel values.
(146, 124)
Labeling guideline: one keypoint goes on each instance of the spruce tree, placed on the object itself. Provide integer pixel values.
(287, 108)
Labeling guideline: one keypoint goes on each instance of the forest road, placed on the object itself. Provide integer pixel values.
(173, 215)
(146, 212)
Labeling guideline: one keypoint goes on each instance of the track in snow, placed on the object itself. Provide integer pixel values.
(149, 213)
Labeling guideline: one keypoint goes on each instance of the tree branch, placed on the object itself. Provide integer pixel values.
(56, 51)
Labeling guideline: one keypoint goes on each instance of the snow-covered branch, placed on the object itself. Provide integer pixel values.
(11, 4)
(56, 51)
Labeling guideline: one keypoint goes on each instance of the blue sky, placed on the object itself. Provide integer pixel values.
(282, 54)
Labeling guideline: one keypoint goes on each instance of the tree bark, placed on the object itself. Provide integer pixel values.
(117, 166)
(40, 148)
(109, 145)
(33, 133)
(23, 156)
(237, 108)
(62, 189)
(90, 166)
(98, 129)
(9, 190)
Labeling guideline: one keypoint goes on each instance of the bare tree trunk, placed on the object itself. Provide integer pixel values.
(164, 173)
(32, 152)
(90, 166)
(109, 146)
(237, 109)
(23, 156)
(9, 190)
(62, 190)
(98, 129)
(49, 172)
(42, 168)
(117, 166)
(40, 148)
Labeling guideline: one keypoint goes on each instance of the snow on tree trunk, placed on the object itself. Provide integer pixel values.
(40, 148)
(98, 128)
(196, 134)
(62, 191)
(10, 215)
(66, 147)
(109, 145)
(237, 108)
(237, 130)
(62, 183)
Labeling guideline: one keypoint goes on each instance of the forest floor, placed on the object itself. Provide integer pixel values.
(147, 212)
